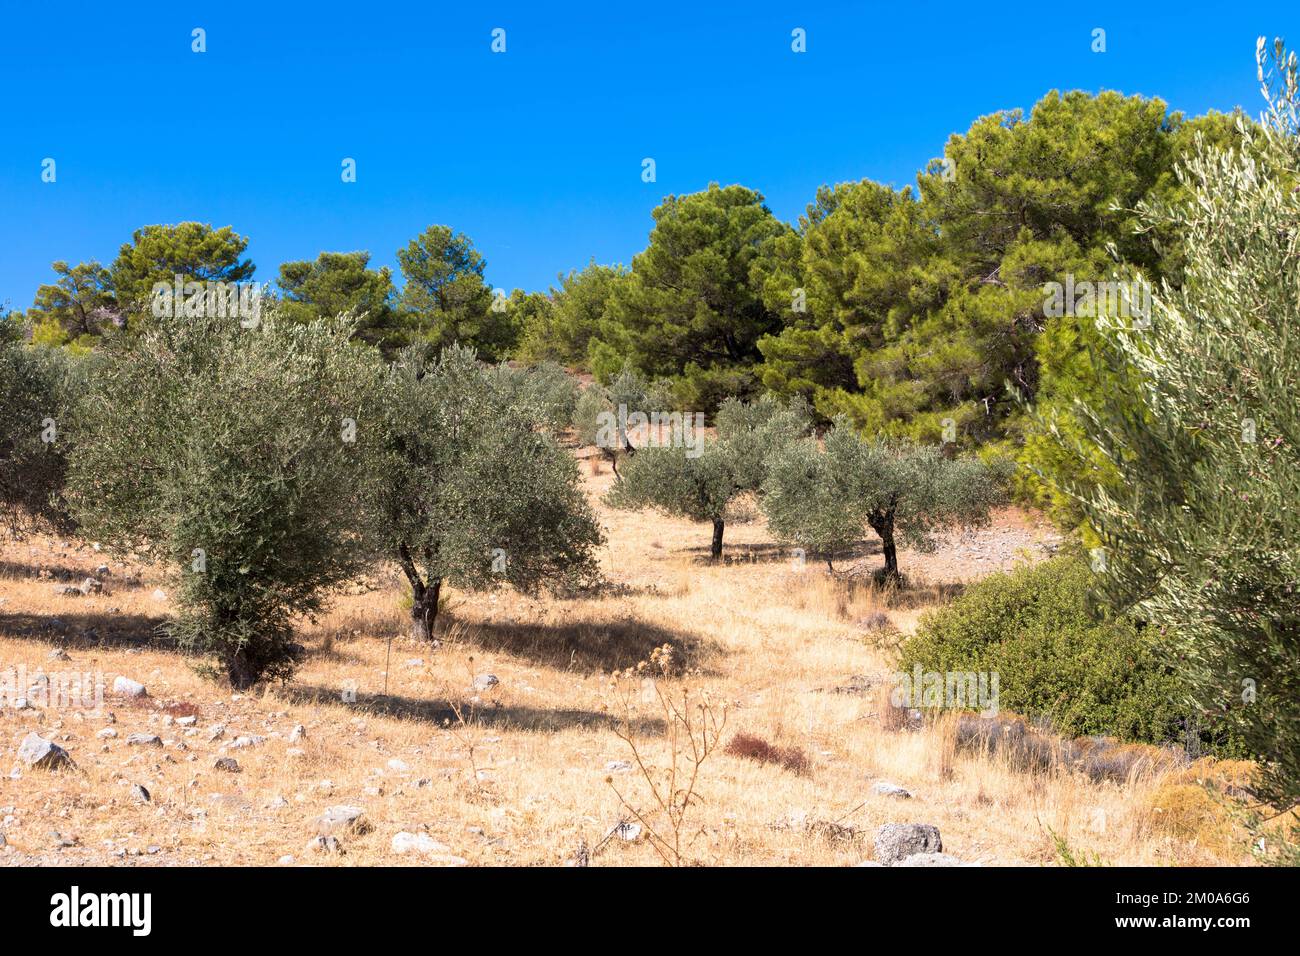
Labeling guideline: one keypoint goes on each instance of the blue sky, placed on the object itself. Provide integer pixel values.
(535, 153)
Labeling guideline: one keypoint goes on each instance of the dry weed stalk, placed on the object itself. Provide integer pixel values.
(693, 728)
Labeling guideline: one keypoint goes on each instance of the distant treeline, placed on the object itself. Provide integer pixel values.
(924, 313)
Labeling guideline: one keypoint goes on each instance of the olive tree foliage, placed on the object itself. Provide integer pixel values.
(1201, 535)
(550, 390)
(470, 487)
(699, 478)
(37, 386)
(823, 498)
(602, 412)
(230, 455)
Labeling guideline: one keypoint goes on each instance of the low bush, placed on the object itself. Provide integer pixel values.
(753, 747)
(1054, 659)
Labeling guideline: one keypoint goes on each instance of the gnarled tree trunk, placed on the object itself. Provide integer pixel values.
(715, 552)
(424, 608)
(883, 524)
(424, 597)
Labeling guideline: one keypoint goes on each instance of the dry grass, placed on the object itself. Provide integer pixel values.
(517, 775)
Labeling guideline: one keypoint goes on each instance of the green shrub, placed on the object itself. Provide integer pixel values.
(37, 385)
(1054, 659)
(228, 454)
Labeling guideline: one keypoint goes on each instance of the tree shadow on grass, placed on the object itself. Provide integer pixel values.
(586, 646)
(488, 714)
(30, 571)
(772, 553)
(87, 629)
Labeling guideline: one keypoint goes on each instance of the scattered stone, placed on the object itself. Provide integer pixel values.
(286, 860)
(897, 841)
(128, 688)
(298, 733)
(400, 766)
(343, 819)
(139, 794)
(68, 590)
(418, 843)
(102, 571)
(247, 740)
(144, 740)
(3, 841)
(59, 654)
(324, 844)
(41, 754)
(485, 681)
(90, 586)
(218, 731)
(160, 595)
(108, 733)
(228, 764)
(891, 790)
(189, 721)
(618, 766)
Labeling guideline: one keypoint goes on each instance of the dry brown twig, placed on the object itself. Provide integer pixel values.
(693, 728)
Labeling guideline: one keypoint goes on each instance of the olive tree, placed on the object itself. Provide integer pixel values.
(1200, 535)
(602, 413)
(546, 386)
(698, 478)
(37, 386)
(823, 498)
(230, 454)
(470, 488)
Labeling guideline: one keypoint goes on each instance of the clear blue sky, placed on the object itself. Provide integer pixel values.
(535, 153)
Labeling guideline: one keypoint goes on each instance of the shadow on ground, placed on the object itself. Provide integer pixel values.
(488, 714)
(586, 646)
(87, 629)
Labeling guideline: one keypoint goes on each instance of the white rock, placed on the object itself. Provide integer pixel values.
(891, 790)
(42, 754)
(418, 843)
(127, 687)
(342, 819)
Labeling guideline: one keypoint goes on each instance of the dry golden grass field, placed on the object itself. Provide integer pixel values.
(532, 770)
